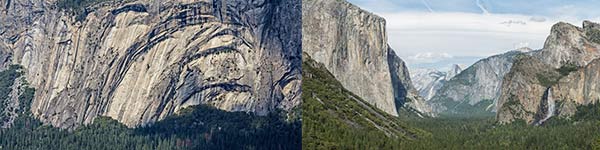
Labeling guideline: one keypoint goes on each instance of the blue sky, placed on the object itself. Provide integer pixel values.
(438, 33)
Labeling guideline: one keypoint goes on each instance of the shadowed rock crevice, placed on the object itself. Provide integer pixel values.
(141, 61)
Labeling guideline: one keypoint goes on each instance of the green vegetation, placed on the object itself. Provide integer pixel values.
(548, 79)
(202, 127)
(514, 107)
(334, 118)
(521, 56)
(593, 35)
(210, 128)
(467, 110)
(7, 80)
(325, 128)
(78, 7)
(567, 68)
(484, 133)
(196, 127)
(105, 133)
(587, 112)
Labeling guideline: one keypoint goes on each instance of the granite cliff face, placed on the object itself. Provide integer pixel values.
(476, 87)
(569, 44)
(544, 93)
(352, 44)
(429, 81)
(140, 61)
(580, 87)
(406, 95)
(556, 79)
(523, 88)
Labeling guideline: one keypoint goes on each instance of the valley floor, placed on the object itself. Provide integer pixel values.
(334, 118)
(484, 133)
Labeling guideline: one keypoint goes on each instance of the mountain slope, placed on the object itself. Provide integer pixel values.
(549, 92)
(139, 61)
(335, 118)
(522, 89)
(429, 81)
(475, 89)
(352, 44)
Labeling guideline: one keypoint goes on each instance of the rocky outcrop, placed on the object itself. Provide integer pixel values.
(549, 94)
(476, 87)
(569, 44)
(405, 94)
(352, 44)
(454, 70)
(580, 87)
(140, 61)
(554, 80)
(429, 81)
(523, 88)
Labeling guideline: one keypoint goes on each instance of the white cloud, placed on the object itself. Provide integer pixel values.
(513, 22)
(521, 45)
(473, 28)
(429, 57)
(537, 19)
(458, 21)
(462, 34)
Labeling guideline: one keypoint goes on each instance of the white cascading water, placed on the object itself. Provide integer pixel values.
(430, 93)
(551, 103)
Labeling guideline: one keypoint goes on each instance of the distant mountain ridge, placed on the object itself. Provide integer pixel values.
(475, 89)
(429, 81)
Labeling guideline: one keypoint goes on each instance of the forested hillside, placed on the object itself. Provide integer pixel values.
(78, 7)
(334, 118)
(485, 133)
(202, 127)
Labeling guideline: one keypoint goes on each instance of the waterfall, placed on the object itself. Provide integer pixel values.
(430, 92)
(550, 103)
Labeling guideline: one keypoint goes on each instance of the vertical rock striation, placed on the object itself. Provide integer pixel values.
(580, 87)
(523, 88)
(140, 61)
(352, 44)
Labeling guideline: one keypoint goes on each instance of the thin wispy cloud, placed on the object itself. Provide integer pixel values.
(429, 57)
(473, 28)
(427, 5)
(482, 7)
(537, 19)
